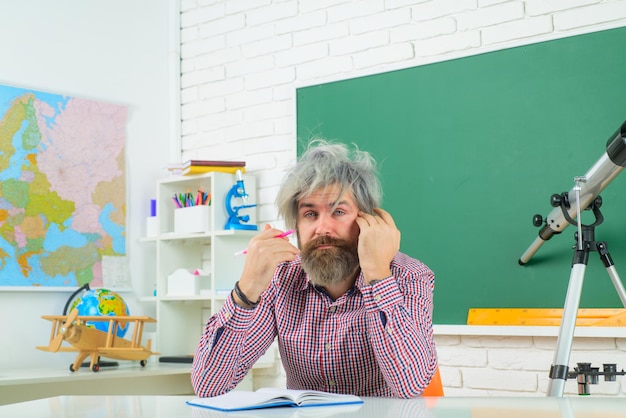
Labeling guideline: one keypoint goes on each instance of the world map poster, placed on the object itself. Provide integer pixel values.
(62, 188)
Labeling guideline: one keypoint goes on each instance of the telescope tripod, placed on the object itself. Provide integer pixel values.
(585, 237)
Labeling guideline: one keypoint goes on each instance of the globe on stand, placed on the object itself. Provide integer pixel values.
(102, 302)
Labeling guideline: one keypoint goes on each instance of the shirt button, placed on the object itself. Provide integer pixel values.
(227, 315)
(389, 331)
(377, 298)
(332, 308)
(331, 383)
(327, 346)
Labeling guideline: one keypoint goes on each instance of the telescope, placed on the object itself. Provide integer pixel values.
(608, 166)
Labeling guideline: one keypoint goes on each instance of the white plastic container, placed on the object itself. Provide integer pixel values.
(183, 282)
(192, 219)
(152, 226)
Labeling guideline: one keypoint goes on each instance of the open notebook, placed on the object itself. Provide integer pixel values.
(273, 397)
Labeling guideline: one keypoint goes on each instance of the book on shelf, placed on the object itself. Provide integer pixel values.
(204, 166)
(197, 169)
(217, 163)
(273, 397)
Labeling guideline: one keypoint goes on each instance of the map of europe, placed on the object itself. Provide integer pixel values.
(62, 188)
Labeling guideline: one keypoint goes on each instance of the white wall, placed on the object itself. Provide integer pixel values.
(243, 60)
(115, 51)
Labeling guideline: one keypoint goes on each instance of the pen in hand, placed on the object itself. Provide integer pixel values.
(283, 235)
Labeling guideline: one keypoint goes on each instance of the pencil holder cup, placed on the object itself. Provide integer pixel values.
(192, 219)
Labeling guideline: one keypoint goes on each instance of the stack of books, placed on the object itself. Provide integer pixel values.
(191, 167)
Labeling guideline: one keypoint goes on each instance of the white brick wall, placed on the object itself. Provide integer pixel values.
(519, 365)
(241, 61)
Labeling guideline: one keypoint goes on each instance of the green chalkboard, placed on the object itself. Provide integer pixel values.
(470, 149)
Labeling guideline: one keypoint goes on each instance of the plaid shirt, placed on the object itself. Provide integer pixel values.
(373, 341)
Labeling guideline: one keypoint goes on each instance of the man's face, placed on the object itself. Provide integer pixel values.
(328, 235)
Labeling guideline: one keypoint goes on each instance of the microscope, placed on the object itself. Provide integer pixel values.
(236, 221)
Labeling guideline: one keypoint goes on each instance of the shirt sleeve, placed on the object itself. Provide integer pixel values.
(233, 339)
(399, 322)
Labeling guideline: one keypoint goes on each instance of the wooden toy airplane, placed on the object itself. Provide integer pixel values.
(92, 342)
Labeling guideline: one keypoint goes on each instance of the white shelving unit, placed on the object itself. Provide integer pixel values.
(181, 318)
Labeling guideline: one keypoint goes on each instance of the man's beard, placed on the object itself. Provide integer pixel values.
(332, 265)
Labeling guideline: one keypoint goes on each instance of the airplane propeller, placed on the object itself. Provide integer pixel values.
(55, 344)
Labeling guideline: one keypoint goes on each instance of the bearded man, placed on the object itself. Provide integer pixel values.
(352, 314)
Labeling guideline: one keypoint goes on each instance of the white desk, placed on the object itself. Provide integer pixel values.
(445, 407)
(154, 379)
